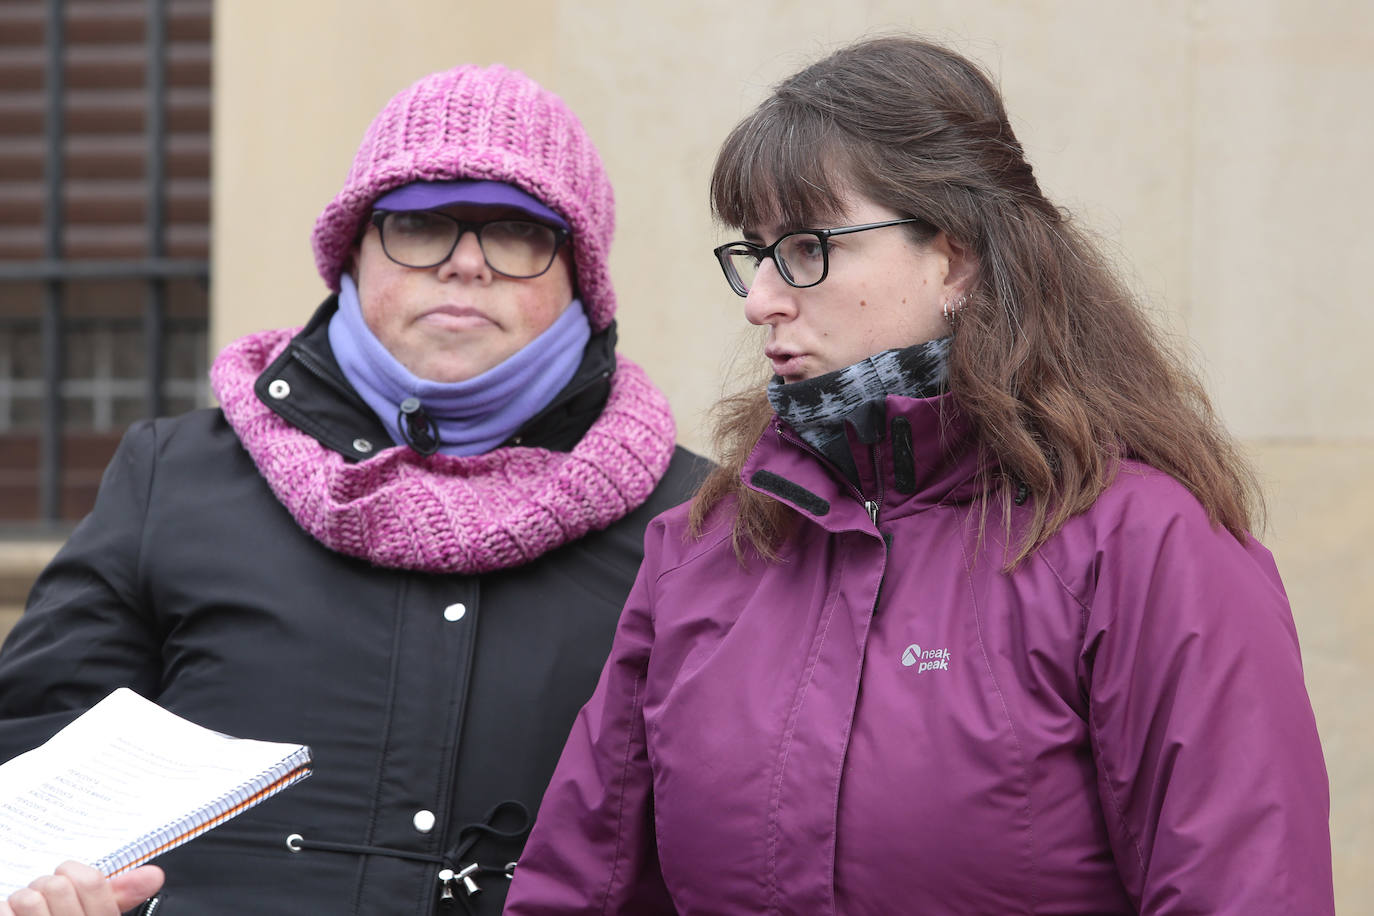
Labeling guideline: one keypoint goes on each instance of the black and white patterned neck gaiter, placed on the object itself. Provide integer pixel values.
(817, 407)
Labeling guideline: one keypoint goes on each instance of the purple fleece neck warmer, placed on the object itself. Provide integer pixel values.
(472, 416)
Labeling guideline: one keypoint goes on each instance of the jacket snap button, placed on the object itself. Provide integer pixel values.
(455, 611)
(423, 820)
(279, 389)
(362, 445)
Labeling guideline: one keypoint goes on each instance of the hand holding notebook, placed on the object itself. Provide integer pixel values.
(79, 890)
(125, 782)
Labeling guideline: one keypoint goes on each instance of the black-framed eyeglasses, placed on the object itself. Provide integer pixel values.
(518, 248)
(802, 257)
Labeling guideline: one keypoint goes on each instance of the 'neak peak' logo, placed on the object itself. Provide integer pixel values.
(925, 660)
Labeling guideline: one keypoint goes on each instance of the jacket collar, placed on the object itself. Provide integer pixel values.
(910, 454)
(323, 404)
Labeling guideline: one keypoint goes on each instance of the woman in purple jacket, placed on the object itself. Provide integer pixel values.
(969, 620)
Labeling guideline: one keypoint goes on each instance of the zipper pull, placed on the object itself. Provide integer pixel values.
(446, 884)
(872, 507)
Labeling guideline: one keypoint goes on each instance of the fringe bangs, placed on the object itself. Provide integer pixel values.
(779, 169)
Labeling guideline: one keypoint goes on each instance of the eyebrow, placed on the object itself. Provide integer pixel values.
(753, 234)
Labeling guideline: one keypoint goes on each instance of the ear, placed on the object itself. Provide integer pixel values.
(962, 263)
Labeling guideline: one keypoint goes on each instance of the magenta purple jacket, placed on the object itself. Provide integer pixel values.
(886, 722)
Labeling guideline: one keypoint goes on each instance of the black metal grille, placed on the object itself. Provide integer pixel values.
(103, 274)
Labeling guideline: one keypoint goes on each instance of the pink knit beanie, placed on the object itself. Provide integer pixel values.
(482, 123)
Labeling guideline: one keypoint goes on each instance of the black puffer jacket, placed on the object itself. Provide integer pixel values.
(436, 705)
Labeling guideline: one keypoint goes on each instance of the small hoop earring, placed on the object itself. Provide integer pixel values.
(950, 308)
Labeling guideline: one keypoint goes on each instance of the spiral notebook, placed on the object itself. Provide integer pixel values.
(125, 782)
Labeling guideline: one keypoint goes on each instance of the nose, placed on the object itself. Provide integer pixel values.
(770, 300)
(466, 262)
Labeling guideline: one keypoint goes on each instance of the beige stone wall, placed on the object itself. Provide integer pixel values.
(1219, 145)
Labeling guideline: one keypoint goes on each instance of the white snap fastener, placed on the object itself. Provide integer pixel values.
(279, 389)
(423, 820)
(455, 611)
(362, 445)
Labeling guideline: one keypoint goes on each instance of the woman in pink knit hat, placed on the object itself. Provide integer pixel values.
(404, 537)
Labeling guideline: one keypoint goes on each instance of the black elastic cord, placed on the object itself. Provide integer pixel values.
(473, 832)
(468, 835)
(301, 844)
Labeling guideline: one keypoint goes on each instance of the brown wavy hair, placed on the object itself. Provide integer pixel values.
(1054, 362)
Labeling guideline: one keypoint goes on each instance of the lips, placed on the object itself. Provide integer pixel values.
(457, 317)
(786, 363)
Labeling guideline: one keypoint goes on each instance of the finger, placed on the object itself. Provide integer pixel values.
(134, 887)
(28, 902)
(59, 897)
(90, 893)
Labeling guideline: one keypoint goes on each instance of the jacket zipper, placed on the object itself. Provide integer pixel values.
(871, 506)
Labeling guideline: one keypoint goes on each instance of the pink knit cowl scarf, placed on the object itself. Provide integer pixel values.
(442, 513)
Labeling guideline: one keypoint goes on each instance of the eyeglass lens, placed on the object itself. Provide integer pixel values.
(800, 258)
(514, 247)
